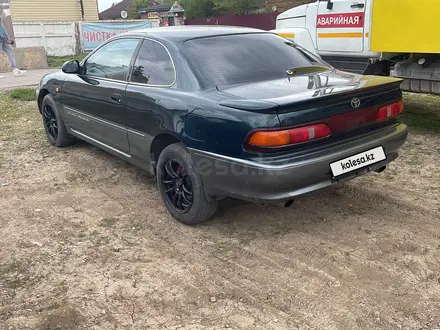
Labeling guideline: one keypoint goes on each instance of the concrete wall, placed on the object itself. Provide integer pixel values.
(52, 10)
(58, 38)
(27, 58)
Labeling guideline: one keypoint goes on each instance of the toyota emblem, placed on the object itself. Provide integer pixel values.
(355, 103)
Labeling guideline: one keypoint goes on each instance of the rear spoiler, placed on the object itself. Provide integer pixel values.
(251, 105)
(312, 99)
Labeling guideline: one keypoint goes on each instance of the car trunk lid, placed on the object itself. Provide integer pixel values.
(344, 101)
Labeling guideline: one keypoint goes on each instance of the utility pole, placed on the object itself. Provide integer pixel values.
(81, 2)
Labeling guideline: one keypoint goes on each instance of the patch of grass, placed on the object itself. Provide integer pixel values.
(23, 94)
(421, 112)
(21, 128)
(8, 111)
(58, 61)
(19, 119)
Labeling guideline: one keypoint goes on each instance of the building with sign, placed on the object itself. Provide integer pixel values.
(167, 14)
(114, 12)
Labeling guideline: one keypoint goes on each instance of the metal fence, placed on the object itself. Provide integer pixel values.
(258, 21)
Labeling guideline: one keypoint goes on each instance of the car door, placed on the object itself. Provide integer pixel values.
(150, 96)
(340, 26)
(94, 100)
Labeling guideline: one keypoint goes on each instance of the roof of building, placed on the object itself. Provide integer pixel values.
(156, 8)
(114, 12)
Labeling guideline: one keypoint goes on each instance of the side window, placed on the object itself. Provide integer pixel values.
(153, 65)
(112, 60)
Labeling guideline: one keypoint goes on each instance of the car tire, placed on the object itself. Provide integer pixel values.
(56, 131)
(201, 206)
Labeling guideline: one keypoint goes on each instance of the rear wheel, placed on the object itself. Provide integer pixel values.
(53, 124)
(181, 187)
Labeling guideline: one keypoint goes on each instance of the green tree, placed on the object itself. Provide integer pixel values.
(197, 8)
(138, 5)
(230, 7)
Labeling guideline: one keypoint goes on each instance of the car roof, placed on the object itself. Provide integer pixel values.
(180, 33)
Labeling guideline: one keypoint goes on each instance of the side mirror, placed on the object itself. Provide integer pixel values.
(71, 67)
(329, 5)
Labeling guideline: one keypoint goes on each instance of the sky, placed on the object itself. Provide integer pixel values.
(104, 4)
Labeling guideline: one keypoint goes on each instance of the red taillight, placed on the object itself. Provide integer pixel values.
(307, 133)
(281, 138)
(389, 111)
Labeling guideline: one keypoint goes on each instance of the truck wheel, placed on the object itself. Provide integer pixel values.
(53, 124)
(182, 188)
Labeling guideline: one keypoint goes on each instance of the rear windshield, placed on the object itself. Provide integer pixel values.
(244, 58)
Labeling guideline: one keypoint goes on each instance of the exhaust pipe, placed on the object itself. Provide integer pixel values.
(380, 169)
(288, 203)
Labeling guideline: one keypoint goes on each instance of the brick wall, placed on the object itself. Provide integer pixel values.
(283, 5)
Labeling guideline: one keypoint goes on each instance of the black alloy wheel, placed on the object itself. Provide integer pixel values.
(177, 186)
(50, 121)
(181, 186)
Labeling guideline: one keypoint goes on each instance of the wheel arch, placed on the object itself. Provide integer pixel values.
(159, 143)
(41, 95)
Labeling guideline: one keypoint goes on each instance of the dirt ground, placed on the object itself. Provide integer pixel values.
(86, 243)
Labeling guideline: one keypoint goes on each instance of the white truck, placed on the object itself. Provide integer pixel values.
(381, 37)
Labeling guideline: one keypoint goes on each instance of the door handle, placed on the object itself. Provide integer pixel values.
(116, 97)
(357, 5)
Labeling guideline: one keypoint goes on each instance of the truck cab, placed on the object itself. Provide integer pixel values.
(336, 30)
(371, 37)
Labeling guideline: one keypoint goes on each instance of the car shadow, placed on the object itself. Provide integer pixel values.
(340, 209)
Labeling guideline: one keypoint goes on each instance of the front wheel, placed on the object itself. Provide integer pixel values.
(181, 187)
(54, 125)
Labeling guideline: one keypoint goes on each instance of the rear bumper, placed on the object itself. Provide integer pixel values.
(281, 179)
